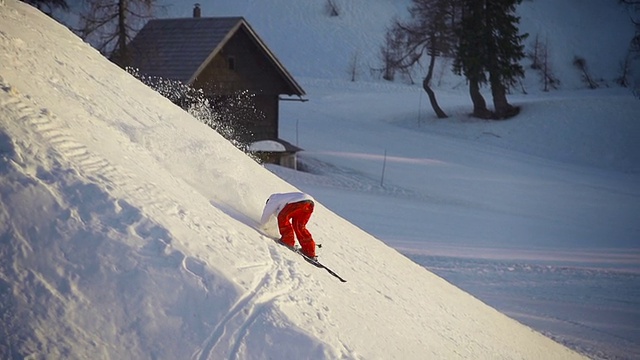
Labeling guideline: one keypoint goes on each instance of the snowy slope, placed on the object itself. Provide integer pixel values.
(128, 232)
(553, 189)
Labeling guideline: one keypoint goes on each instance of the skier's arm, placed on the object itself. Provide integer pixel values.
(265, 216)
(270, 208)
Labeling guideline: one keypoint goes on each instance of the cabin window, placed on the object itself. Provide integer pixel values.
(231, 62)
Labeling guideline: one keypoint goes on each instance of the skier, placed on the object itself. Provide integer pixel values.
(293, 211)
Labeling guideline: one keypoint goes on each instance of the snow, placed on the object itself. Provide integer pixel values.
(267, 145)
(128, 228)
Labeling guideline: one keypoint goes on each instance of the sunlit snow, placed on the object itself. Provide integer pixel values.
(128, 228)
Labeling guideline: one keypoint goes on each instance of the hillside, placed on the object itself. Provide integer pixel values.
(128, 232)
(313, 44)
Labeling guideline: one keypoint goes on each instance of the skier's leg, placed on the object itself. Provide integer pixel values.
(284, 225)
(300, 218)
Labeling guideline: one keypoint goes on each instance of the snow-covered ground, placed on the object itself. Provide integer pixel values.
(531, 216)
(537, 216)
(127, 228)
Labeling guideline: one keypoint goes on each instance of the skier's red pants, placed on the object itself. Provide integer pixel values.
(293, 218)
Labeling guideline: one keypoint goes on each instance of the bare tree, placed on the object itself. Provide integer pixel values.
(634, 8)
(331, 8)
(535, 54)
(540, 61)
(109, 25)
(581, 64)
(354, 66)
(549, 80)
(429, 31)
(388, 55)
(625, 71)
(47, 6)
(634, 46)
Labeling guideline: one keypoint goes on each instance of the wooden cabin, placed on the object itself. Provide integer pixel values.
(223, 56)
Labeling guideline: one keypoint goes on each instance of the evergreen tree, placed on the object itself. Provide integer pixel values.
(505, 50)
(471, 55)
(489, 43)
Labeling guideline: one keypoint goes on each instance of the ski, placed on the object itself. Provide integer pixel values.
(312, 261)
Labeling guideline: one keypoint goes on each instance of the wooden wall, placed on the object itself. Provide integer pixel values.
(242, 66)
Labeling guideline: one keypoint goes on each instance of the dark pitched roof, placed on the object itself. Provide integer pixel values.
(180, 49)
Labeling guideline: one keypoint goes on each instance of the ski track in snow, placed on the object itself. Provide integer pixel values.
(148, 198)
(227, 338)
(43, 126)
(100, 170)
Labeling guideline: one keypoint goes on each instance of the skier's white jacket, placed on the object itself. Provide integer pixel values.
(277, 202)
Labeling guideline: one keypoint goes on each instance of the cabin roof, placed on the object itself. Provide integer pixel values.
(180, 49)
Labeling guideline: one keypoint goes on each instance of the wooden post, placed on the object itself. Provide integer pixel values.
(384, 165)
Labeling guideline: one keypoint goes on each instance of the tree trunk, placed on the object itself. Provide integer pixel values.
(121, 52)
(479, 105)
(503, 110)
(432, 96)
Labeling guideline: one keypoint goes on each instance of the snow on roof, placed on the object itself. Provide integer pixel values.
(267, 146)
